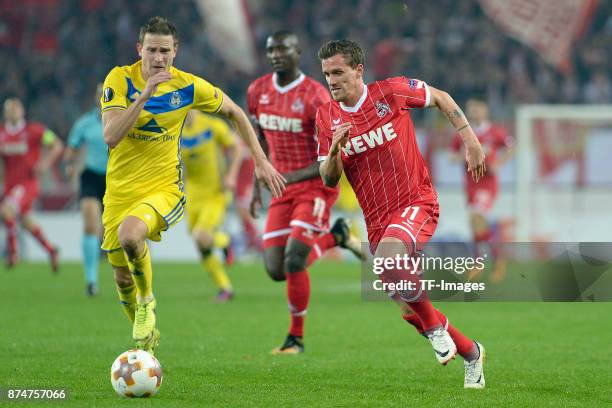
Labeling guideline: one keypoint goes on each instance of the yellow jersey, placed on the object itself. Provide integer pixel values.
(202, 144)
(147, 159)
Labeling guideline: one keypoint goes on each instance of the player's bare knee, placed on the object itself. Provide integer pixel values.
(273, 261)
(295, 262)
(130, 241)
(203, 239)
(275, 270)
(123, 277)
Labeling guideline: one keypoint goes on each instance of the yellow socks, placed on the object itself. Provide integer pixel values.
(212, 264)
(221, 239)
(127, 297)
(142, 273)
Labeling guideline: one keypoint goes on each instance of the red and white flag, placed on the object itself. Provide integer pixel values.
(229, 30)
(548, 26)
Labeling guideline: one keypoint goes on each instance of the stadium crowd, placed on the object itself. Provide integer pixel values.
(54, 52)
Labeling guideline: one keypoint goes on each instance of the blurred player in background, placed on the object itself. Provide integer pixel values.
(367, 133)
(143, 109)
(87, 132)
(242, 202)
(208, 186)
(481, 195)
(21, 144)
(284, 104)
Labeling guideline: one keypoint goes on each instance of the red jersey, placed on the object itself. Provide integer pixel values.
(20, 150)
(286, 116)
(382, 159)
(492, 137)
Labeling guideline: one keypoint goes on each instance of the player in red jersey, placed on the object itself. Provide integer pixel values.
(481, 196)
(20, 149)
(284, 105)
(367, 132)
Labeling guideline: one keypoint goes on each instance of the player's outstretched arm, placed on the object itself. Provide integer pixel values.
(117, 123)
(474, 155)
(331, 167)
(234, 153)
(264, 170)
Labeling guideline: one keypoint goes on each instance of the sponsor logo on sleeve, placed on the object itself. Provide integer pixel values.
(108, 94)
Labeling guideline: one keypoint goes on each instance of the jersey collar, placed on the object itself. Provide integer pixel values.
(290, 85)
(13, 129)
(353, 109)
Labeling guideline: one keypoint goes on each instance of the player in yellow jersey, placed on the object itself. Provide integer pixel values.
(144, 106)
(208, 185)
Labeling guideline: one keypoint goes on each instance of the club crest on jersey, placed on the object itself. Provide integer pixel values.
(108, 94)
(264, 99)
(175, 99)
(382, 109)
(297, 106)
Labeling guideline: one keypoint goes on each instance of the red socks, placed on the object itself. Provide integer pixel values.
(11, 238)
(465, 346)
(298, 293)
(322, 244)
(426, 313)
(38, 234)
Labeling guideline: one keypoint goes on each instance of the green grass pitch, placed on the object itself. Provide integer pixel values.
(357, 353)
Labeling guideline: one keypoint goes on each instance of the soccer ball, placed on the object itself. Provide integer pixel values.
(136, 373)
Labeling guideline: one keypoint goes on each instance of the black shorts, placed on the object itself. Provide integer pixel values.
(92, 185)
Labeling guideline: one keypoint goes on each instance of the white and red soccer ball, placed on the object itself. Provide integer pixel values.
(136, 373)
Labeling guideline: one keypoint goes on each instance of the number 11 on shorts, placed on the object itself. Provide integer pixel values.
(414, 209)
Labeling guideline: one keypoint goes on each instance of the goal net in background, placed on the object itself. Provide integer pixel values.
(563, 173)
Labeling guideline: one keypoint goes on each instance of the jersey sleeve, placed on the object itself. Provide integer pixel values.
(207, 97)
(409, 92)
(223, 134)
(252, 101)
(114, 91)
(324, 139)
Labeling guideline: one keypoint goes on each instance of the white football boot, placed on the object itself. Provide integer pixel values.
(474, 371)
(443, 345)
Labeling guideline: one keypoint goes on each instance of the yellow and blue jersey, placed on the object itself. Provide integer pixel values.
(202, 144)
(147, 159)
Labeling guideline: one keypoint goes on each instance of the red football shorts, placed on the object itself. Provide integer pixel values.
(244, 184)
(481, 196)
(302, 212)
(414, 225)
(21, 197)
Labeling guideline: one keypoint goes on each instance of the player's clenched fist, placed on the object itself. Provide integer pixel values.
(339, 138)
(153, 81)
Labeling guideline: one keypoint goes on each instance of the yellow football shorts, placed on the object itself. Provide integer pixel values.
(158, 211)
(206, 212)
